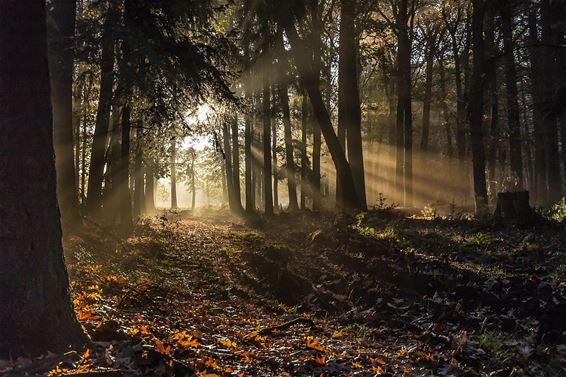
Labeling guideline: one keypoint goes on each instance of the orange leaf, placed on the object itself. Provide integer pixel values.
(338, 334)
(320, 360)
(313, 343)
(228, 343)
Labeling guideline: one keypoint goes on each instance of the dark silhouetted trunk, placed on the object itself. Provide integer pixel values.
(61, 54)
(236, 162)
(274, 167)
(36, 314)
(493, 98)
(228, 172)
(476, 108)
(550, 17)
(349, 112)
(96, 168)
(248, 158)
(322, 116)
(149, 192)
(267, 169)
(139, 203)
(536, 75)
(427, 100)
(193, 181)
(283, 94)
(513, 114)
(316, 132)
(304, 157)
(173, 167)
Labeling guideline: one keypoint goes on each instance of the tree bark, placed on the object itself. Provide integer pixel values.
(248, 158)
(124, 174)
(513, 114)
(476, 108)
(304, 156)
(349, 112)
(36, 314)
(267, 169)
(343, 170)
(173, 167)
(139, 203)
(61, 55)
(236, 163)
(96, 168)
(149, 192)
(427, 101)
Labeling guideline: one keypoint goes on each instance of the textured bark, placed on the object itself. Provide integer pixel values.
(513, 114)
(431, 40)
(492, 89)
(61, 54)
(349, 112)
(248, 124)
(316, 132)
(274, 167)
(124, 173)
(36, 314)
(476, 108)
(96, 168)
(228, 173)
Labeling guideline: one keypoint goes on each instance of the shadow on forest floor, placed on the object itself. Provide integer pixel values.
(378, 293)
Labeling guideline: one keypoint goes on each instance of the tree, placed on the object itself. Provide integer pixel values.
(61, 55)
(36, 314)
(96, 168)
(476, 108)
(349, 114)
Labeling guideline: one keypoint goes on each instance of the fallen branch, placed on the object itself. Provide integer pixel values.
(286, 325)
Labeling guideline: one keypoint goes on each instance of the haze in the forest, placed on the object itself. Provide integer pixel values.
(364, 168)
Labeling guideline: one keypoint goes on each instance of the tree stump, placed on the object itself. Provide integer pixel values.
(514, 208)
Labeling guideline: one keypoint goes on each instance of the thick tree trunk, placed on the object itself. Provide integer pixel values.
(61, 55)
(193, 181)
(316, 132)
(349, 112)
(36, 314)
(343, 170)
(274, 167)
(476, 109)
(96, 168)
(248, 157)
(513, 114)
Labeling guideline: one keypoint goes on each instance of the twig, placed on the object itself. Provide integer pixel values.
(285, 326)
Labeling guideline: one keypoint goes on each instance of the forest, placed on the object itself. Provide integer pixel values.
(282, 188)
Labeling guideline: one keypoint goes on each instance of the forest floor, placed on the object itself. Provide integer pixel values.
(303, 295)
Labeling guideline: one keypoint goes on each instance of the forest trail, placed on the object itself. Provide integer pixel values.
(375, 294)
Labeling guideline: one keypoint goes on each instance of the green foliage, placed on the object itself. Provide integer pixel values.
(478, 239)
(557, 212)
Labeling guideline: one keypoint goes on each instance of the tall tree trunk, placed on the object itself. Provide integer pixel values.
(476, 108)
(267, 170)
(61, 55)
(304, 157)
(550, 17)
(316, 34)
(36, 314)
(492, 87)
(513, 114)
(96, 168)
(343, 170)
(404, 105)
(430, 53)
(139, 203)
(236, 163)
(274, 167)
(248, 157)
(349, 112)
(228, 167)
(283, 94)
(193, 181)
(124, 173)
(446, 111)
(173, 166)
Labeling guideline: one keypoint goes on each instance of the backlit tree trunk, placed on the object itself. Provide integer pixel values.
(61, 54)
(236, 162)
(36, 314)
(96, 168)
(267, 170)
